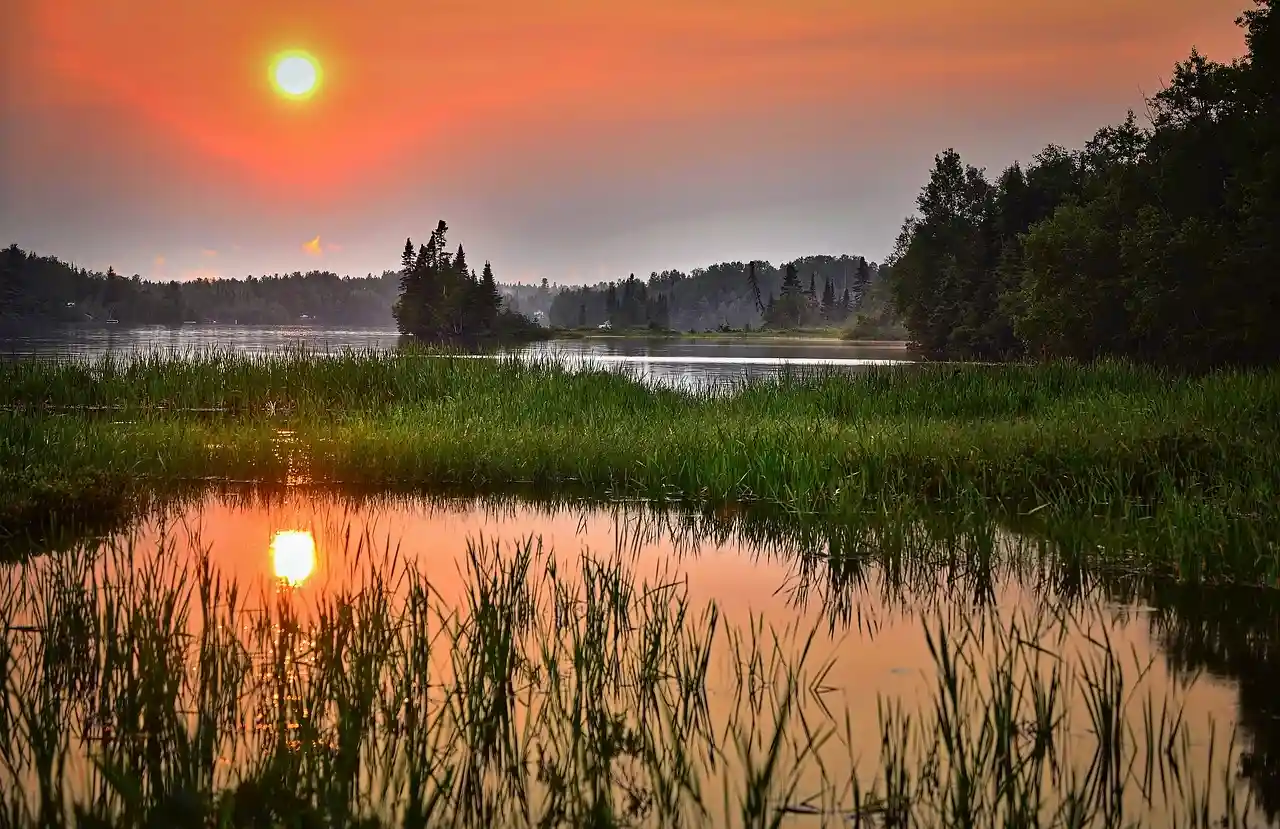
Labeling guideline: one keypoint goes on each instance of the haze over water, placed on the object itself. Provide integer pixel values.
(686, 363)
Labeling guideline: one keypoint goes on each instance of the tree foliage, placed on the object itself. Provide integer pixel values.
(442, 299)
(38, 290)
(1160, 243)
(724, 295)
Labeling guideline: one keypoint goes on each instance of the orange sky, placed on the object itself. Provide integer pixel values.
(573, 139)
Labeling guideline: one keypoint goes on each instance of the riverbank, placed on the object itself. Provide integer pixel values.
(825, 335)
(1178, 472)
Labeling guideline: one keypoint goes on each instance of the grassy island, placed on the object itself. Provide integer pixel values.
(1180, 471)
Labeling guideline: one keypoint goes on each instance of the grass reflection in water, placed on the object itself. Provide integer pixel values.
(557, 690)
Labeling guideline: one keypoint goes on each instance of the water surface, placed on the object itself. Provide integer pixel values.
(1207, 654)
(681, 362)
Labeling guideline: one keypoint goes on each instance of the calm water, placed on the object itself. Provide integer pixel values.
(1210, 655)
(675, 362)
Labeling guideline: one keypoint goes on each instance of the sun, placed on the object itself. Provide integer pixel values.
(295, 74)
(293, 556)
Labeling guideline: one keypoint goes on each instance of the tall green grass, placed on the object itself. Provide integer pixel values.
(143, 692)
(1183, 468)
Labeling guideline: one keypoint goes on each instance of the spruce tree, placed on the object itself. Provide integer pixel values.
(861, 281)
(407, 258)
(442, 245)
(828, 298)
(406, 310)
(492, 299)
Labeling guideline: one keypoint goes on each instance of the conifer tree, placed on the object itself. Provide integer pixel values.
(861, 281)
(492, 299)
(407, 258)
(406, 307)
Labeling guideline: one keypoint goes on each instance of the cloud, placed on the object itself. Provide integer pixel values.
(208, 252)
(313, 247)
(332, 247)
(158, 261)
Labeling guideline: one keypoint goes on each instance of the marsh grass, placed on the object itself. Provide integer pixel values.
(1179, 470)
(141, 691)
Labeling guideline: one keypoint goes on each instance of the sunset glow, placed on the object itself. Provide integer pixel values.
(293, 556)
(577, 141)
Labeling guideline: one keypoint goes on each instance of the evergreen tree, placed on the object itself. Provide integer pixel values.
(441, 245)
(861, 281)
(788, 311)
(492, 300)
(755, 287)
(460, 262)
(407, 258)
(829, 299)
(405, 310)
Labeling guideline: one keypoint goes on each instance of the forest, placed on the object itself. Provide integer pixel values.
(1158, 242)
(827, 291)
(44, 290)
(813, 291)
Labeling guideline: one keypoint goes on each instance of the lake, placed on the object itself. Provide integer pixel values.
(678, 362)
(695, 642)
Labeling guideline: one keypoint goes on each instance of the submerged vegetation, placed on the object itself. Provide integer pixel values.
(1178, 471)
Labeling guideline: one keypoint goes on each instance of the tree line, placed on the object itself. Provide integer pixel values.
(1159, 242)
(727, 295)
(44, 290)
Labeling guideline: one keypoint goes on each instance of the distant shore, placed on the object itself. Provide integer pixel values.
(823, 335)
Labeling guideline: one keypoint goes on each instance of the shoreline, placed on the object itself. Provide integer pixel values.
(1059, 441)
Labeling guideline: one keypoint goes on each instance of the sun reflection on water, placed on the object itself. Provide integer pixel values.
(293, 555)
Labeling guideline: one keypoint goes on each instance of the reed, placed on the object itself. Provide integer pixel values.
(1180, 471)
(552, 691)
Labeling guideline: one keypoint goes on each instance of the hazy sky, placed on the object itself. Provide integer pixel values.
(577, 140)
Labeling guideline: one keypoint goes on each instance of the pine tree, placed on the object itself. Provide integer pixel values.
(846, 304)
(790, 280)
(755, 287)
(406, 258)
(861, 281)
(813, 288)
(828, 298)
(405, 310)
(441, 246)
(492, 299)
(791, 300)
